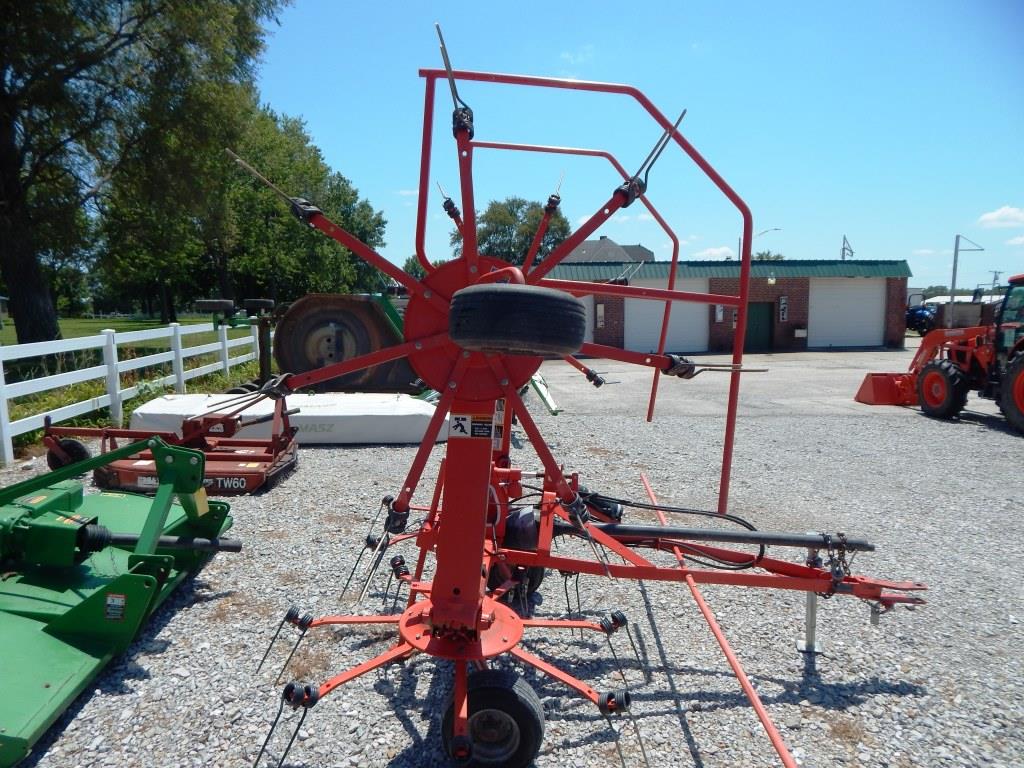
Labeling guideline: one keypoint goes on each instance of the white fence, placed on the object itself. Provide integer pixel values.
(111, 370)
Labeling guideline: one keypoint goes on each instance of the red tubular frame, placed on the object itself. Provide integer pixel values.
(755, 701)
(432, 75)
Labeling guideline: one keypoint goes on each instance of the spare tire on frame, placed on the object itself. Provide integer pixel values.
(517, 320)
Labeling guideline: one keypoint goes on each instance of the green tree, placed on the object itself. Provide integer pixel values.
(507, 229)
(413, 267)
(768, 256)
(256, 246)
(74, 75)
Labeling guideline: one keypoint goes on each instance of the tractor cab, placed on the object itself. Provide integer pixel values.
(1009, 330)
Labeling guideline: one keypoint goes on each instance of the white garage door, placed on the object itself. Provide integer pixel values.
(846, 312)
(688, 326)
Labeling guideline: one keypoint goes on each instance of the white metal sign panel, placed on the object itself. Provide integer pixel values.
(688, 325)
(846, 312)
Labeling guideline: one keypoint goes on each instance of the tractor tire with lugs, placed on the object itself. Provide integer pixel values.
(517, 320)
(1011, 398)
(942, 389)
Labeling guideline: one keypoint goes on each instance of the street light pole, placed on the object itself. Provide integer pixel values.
(739, 240)
(952, 286)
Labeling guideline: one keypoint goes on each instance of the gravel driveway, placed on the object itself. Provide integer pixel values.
(939, 686)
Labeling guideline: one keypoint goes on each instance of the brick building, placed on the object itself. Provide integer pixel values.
(794, 304)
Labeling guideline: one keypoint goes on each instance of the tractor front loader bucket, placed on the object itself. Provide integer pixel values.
(887, 389)
(81, 574)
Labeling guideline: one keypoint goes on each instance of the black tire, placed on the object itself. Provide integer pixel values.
(255, 305)
(517, 320)
(506, 720)
(215, 305)
(942, 389)
(75, 449)
(1011, 396)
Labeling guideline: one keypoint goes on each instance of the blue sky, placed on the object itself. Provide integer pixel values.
(897, 124)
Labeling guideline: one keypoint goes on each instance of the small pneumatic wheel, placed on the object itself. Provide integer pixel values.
(226, 306)
(256, 305)
(506, 722)
(75, 450)
(517, 319)
(942, 389)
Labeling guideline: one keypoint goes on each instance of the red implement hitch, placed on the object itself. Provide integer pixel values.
(477, 342)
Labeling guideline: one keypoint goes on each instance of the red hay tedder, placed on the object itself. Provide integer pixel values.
(475, 330)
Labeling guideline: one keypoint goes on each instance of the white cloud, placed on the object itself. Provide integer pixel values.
(1019, 240)
(644, 217)
(722, 252)
(408, 192)
(1007, 216)
(581, 55)
(582, 220)
(924, 252)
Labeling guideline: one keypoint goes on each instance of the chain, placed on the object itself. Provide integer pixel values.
(838, 565)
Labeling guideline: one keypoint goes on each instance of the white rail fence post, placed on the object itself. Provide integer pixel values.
(178, 362)
(225, 354)
(254, 334)
(113, 376)
(6, 437)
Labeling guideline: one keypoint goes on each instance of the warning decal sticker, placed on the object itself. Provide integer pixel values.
(115, 607)
(481, 427)
(469, 425)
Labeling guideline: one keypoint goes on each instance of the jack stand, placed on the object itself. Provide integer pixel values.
(810, 642)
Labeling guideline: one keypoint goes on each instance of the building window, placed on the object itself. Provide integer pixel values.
(599, 320)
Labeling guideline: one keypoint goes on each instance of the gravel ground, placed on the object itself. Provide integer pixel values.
(939, 686)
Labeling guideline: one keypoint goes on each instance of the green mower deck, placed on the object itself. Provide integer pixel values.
(80, 575)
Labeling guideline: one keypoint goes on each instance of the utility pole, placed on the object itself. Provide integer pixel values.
(846, 250)
(952, 286)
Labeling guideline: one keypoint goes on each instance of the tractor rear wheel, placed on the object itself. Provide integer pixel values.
(506, 721)
(1011, 398)
(942, 389)
(75, 449)
(517, 320)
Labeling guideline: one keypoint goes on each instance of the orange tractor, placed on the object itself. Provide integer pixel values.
(953, 361)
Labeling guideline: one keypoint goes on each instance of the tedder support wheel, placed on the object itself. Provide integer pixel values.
(75, 450)
(942, 389)
(215, 305)
(517, 319)
(506, 720)
(1011, 398)
(255, 305)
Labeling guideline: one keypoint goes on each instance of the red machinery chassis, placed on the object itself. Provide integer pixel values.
(234, 465)
(484, 544)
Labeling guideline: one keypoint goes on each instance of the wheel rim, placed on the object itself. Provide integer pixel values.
(494, 735)
(934, 389)
(1018, 393)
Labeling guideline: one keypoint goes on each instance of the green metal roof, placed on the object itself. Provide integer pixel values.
(658, 270)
